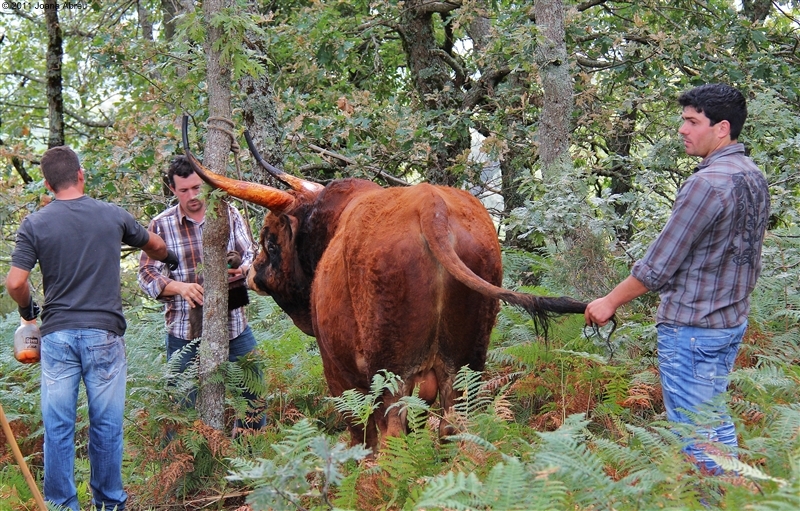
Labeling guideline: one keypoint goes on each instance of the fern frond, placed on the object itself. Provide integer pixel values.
(457, 491)
(656, 443)
(731, 464)
(503, 484)
(474, 439)
(416, 410)
(768, 379)
(785, 424)
(474, 395)
(298, 438)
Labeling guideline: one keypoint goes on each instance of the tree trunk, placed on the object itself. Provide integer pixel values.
(428, 64)
(260, 114)
(144, 21)
(55, 98)
(170, 10)
(756, 10)
(214, 346)
(619, 144)
(554, 124)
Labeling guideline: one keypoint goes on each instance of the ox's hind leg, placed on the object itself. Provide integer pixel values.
(358, 436)
(447, 398)
(390, 417)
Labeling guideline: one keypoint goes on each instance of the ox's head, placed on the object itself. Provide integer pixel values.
(278, 269)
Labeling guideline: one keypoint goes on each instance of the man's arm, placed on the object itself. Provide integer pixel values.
(20, 291)
(600, 311)
(148, 274)
(155, 248)
(18, 287)
(190, 291)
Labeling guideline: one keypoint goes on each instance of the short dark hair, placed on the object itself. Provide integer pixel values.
(179, 166)
(60, 166)
(719, 102)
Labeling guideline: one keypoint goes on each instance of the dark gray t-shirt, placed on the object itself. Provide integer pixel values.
(78, 244)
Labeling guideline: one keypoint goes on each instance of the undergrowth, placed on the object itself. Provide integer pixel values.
(572, 423)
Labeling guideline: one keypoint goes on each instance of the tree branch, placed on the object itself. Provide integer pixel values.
(88, 122)
(439, 7)
(453, 63)
(488, 81)
(589, 4)
(24, 75)
(349, 161)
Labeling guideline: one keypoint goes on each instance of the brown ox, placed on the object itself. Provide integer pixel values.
(401, 279)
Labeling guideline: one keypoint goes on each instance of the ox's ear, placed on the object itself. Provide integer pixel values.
(292, 224)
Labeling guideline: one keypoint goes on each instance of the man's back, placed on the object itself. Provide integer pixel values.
(706, 260)
(77, 244)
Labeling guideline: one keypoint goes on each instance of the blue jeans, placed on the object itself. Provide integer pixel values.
(694, 364)
(98, 358)
(239, 346)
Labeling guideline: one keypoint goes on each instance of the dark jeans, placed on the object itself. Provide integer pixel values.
(239, 347)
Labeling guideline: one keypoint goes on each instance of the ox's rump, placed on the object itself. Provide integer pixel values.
(381, 300)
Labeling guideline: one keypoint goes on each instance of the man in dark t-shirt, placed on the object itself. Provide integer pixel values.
(77, 242)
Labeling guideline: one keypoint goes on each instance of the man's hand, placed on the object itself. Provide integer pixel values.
(171, 260)
(30, 311)
(191, 292)
(599, 312)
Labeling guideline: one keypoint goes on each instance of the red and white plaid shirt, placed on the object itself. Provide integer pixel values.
(184, 236)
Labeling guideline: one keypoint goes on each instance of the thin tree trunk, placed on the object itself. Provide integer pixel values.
(427, 63)
(214, 346)
(260, 113)
(619, 144)
(144, 21)
(55, 98)
(554, 125)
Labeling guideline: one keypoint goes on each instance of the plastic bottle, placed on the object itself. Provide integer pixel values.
(27, 342)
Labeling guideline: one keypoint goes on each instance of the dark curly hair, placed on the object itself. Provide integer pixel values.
(719, 102)
(179, 166)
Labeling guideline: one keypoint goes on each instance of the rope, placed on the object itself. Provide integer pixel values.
(595, 331)
(235, 148)
(234, 144)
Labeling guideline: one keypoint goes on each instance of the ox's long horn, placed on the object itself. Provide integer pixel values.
(294, 182)
(271, 198)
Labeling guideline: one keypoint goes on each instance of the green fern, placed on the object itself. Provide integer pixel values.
(307, 469)
(358, 406)
(508, 486)
(769, 382)
(405, 460)
(565, 452)
(473, 395)
(457, 491)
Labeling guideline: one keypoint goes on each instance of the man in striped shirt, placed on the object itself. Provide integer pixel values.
(704, 265)
(181, 227)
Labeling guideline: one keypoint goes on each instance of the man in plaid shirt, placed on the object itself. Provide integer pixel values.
(181, 227)
(704, 265)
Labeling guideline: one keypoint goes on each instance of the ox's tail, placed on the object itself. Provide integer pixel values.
(435, 228)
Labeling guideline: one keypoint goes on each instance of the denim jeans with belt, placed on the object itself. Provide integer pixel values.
(98, 358)
(695, 364)
(239, 346)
